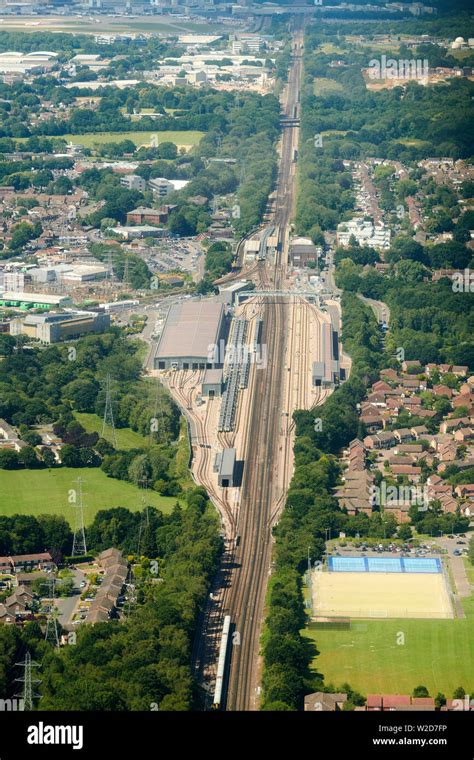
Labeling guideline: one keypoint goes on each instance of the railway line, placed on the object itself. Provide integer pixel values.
(259, 488)
(265, 440)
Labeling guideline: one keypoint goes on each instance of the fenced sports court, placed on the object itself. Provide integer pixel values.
(384, 565)
(381, 587)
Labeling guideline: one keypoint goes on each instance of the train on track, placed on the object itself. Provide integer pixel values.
(218, 700)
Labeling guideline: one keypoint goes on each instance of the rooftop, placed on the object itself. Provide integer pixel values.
(190, 329)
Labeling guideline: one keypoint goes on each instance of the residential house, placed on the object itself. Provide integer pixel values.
(465, 491)
(384, 440)
(324, 702)
(442, 390)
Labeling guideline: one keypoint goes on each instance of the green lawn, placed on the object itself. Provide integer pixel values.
(437, 654)
(126, 438)
(184, 137)
(325, 86)
(33, 492)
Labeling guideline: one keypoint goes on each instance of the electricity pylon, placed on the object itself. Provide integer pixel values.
(79, 547)
(28, 681)
(52, 634)
(108, 412)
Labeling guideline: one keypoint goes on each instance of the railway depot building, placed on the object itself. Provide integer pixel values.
(193, 337)
(326, 373)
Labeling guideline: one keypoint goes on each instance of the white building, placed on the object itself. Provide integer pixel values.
(161, 186)
(365, 233)
(133, 182)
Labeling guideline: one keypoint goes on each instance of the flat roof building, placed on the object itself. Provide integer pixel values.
(193, 335)
(33, 300)
(228, 293)
(213, 383)
(227, 469)
(52, 328)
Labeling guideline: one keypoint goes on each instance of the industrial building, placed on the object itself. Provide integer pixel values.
(54, 327)
(226, 474)
(325, 373)
(13, 62)
(228, 293)
(24, 301)
(213, 383)
(193, 335)
(68, 273)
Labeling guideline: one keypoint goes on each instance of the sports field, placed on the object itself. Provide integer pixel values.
(394, 656)
(380, 595)
(35, 492)
(183, 138)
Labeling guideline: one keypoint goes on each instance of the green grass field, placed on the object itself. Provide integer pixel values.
(437, 654)
(324, 86)
(183, 138)
(33, 492)
(126, 438)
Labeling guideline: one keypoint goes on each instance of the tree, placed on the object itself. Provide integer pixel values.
(82, 393)
(420, 691)
(404, 532)
(49, 460)
(57, 533)
(28, 458)
(9, 459)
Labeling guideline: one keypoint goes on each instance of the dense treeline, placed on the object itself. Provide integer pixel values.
(26, 534)
(399, 123)
(141, 662)
(429, 320)
(49, 386)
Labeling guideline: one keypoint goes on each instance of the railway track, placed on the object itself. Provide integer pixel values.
(259, 493)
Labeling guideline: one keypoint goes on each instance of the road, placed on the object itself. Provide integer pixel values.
(67, 605)
(380, 309)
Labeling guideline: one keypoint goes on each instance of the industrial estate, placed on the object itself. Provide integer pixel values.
(237, 358)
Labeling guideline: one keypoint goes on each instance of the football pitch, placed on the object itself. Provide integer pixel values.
(393, 656)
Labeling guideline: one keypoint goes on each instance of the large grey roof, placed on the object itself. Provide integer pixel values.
(190, 328)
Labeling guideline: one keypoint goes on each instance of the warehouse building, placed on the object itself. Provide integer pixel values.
(24, 301)
(54, 327)
(325, 373)
(193, 336)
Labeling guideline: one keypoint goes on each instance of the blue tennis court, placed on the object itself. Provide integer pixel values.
(384, 565)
